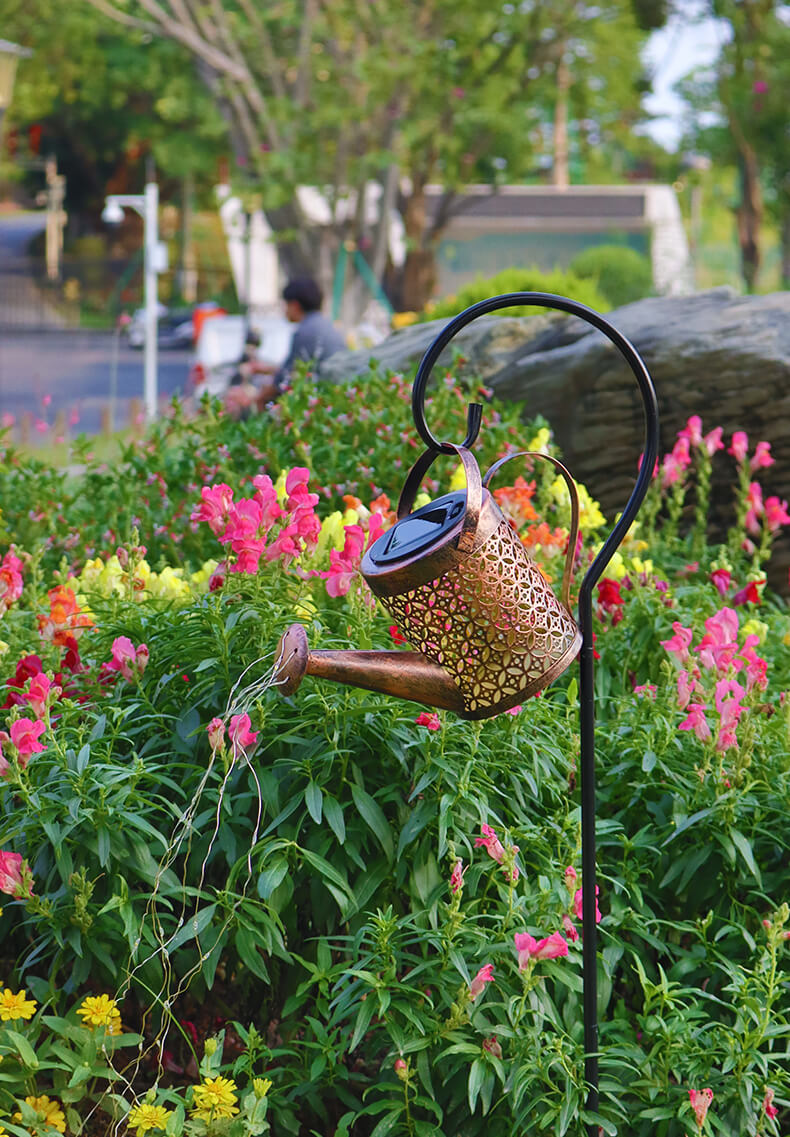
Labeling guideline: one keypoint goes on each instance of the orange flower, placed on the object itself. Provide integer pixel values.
(351, 502)
(516, 501)
(64, 617)
(541, 535)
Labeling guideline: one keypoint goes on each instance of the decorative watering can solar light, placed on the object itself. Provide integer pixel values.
(488, 630)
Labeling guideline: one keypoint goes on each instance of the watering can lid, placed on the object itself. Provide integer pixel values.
(420, 531)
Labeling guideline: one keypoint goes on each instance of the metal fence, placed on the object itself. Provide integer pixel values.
(92, 292)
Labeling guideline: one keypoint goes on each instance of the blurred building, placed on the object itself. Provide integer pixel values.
(525, 226)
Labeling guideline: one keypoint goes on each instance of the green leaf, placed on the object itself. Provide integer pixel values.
(388, 1122)
(476, 1075)
(192, 928)
(25, 1050)
(371, 813)
(271, 877)
(334, 814)
(649, 760)
(314, 800)
(745, 849)
(327, 871)
(364, 1015)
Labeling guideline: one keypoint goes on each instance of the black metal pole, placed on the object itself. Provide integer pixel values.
(592, 576)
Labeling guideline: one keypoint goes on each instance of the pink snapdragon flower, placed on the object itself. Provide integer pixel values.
(569, 928)
(529, 949)
(754, 501)
(430, 720)
(761, 457)
(678, 645)
(216, 733)
(131, 661)
(457, 877)
(647, 690)
(700, 1102)
(687, 685)
(491, 843)
(692, 430)
(16, 879)
(492, 1046)
(719, 645)
(756, 667)
(712, 441)
(722, 579)
(25, 734)
(478, 984)
(41, 693)
(240, 734)
(769, 1108)
(214, 508)
(739, 447)
(571, 877)
(343, 566)
(776, 514)
(266, 497)
(10, 580)
(578, 904)
(696, 721)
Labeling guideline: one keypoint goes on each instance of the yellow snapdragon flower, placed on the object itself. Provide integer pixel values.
(540, 442)
(755, 627)
(146, 1116)
(214, 1098)
(99, 1010)
(15, 1005)
(48, 1110)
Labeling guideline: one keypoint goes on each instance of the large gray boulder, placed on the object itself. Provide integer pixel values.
(722, 356)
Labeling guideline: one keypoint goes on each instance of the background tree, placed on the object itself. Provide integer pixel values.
(104, 103)
(339, 95)
(738, 116)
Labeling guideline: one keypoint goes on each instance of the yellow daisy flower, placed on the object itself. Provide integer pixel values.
(48, 1109)
(214, 1098)
(15, 1006)
(146, 1116)
(100, 1010)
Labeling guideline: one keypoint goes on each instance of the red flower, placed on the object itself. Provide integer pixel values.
(609, 594)
(397, 636)
(429, 721)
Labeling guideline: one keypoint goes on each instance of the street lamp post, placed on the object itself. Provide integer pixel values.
(154, 262)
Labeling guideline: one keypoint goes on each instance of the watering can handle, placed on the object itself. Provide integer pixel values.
(474, 491)
(574, 529)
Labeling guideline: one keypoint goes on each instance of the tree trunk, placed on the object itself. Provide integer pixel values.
(419, 274)
(749, 214)
(559, 171)
(785, 244)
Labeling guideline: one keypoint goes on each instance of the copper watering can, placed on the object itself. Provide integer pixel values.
(488, 630)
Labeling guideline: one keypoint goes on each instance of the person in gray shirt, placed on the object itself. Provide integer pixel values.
(314, 340)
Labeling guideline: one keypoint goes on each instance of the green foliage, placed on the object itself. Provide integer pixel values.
(298, 889)
(570, 284)
(621, 274)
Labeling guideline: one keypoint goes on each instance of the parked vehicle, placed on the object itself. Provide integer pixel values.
(174, 328)
(220, 346)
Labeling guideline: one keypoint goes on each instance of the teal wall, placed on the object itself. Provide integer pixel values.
(464, 259)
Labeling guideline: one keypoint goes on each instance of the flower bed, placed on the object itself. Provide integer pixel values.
(341, 913)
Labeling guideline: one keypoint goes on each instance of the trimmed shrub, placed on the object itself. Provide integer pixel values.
(519, 280)
(621, 274)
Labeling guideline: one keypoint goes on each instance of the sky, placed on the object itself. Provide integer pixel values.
(670, 53)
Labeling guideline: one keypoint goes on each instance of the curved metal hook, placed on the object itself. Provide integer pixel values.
(475, 412)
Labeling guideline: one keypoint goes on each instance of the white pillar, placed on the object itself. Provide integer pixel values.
(151, 301)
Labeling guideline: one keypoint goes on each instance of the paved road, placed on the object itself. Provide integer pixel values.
(75, 369)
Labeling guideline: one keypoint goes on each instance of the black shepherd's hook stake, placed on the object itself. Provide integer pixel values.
(593, 574)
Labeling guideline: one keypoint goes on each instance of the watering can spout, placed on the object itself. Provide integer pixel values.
(404, 674)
